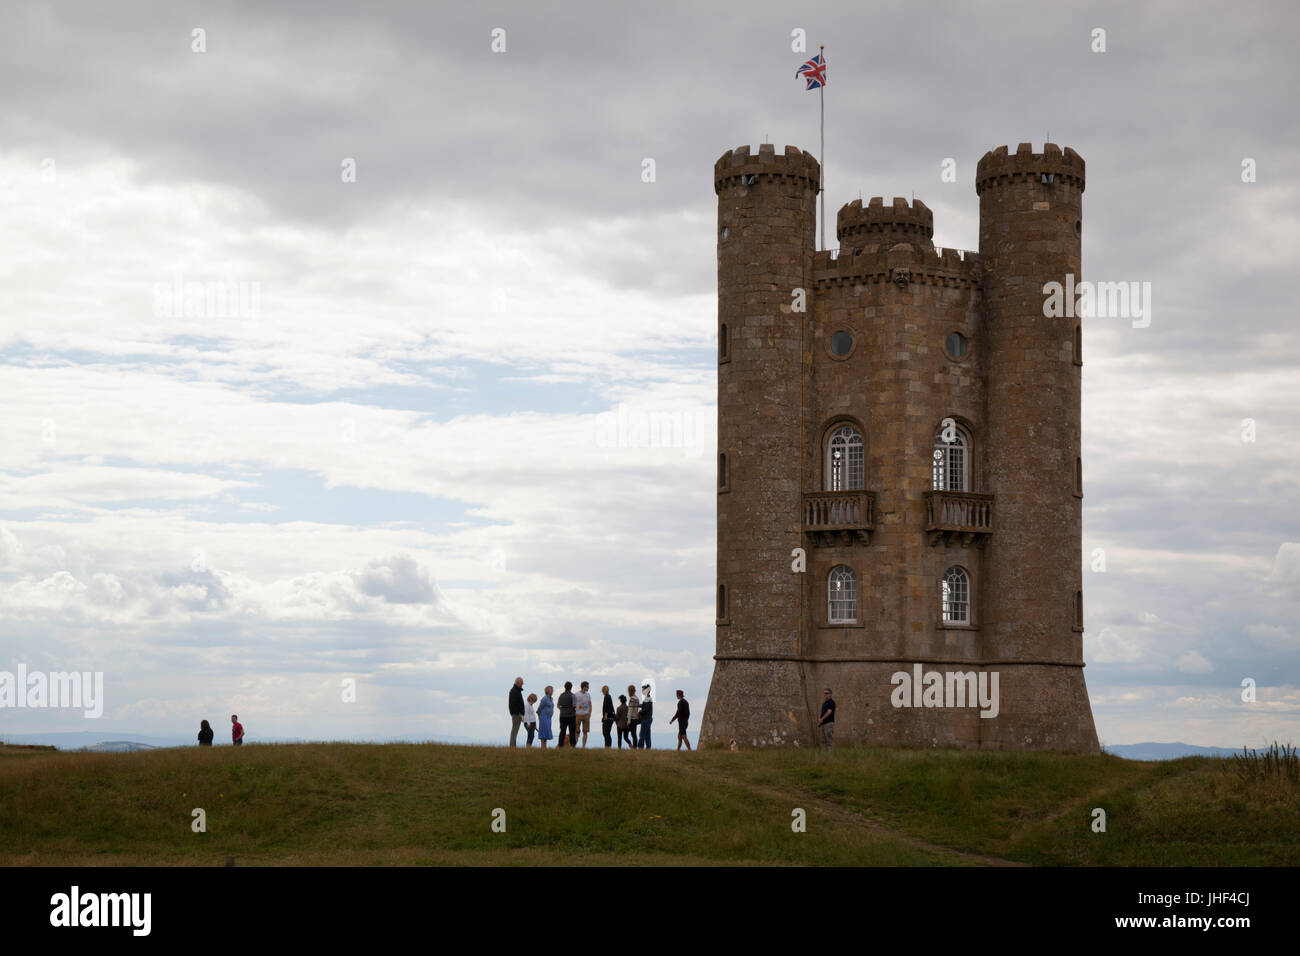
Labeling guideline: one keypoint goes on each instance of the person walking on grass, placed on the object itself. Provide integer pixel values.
(205, 734)
(633, 714)
(544, 711)
(620, 718)
(516, 709)
(827, 721)
(606, 715)
(565, 703)
(236, 730)
(530, 718)
(582, 712)
(646, 718)
(682, 717)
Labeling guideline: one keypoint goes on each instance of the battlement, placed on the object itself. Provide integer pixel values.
(914, 223)
(736, 167)
(901, 263)
(997, 166)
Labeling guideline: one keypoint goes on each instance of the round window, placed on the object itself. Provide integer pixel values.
(841, 344)
(955, 345)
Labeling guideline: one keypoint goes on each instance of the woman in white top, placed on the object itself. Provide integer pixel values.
(530, 718)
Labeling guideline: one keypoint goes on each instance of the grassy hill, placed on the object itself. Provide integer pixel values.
(433, 804)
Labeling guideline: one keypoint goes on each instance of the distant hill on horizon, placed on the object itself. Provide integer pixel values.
(1154, 751)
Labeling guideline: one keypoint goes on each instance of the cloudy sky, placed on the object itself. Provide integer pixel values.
(409, 447)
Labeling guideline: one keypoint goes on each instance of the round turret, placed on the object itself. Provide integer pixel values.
(1031, 228)
(876, 223)
(998, 167)
(739, 167)
(766, 221)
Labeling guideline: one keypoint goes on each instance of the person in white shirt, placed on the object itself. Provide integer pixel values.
(582, 710)
(530, 718)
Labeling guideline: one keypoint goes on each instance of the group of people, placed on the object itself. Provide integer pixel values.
(236, 732)
(632, 717)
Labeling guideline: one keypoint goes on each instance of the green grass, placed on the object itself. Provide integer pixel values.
(432, 804)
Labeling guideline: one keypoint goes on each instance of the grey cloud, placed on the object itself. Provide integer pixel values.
(398, 580)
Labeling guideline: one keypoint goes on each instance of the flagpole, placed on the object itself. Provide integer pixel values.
(821, 95)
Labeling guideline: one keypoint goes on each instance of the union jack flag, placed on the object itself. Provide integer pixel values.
(814, 71)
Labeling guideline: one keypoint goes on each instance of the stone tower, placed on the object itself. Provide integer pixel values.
(899, 481)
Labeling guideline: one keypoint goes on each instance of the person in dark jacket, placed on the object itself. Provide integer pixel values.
(568, 713)
(827, 721)
(620, 718)
(646, 718)
(516, 709)
(682, 717)
(607, 716)
(205, 734)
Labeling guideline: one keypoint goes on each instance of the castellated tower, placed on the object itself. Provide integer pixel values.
(899, 481)
(767, 215)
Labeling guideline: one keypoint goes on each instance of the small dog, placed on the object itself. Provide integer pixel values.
(734, 745)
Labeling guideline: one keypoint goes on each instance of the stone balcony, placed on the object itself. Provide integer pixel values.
(839, 516)
(958, 516)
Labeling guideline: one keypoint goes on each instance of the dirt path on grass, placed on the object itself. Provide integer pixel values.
(830, 808)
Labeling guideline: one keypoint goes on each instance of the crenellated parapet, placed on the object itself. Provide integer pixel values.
(875, 222)
(900, 263)
(997, 166)
(740, 167)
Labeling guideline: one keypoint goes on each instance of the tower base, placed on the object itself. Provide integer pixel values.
(757, 703)
(1030, 706)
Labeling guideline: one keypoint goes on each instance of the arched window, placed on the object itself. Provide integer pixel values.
(951, 470)
(842, 595)
(955, 594)
(844, 460)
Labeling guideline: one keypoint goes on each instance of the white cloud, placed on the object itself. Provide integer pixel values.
(397, 580)
(1286, 568)
(1111, 646)
(11, 548)
(1193, 662)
